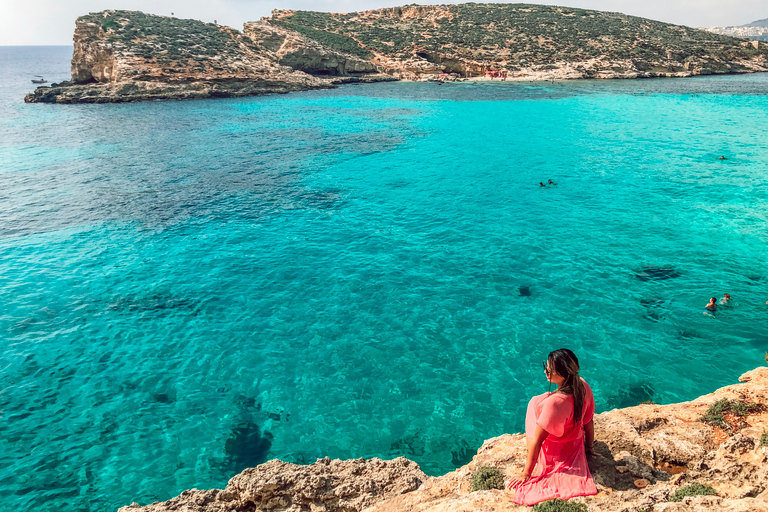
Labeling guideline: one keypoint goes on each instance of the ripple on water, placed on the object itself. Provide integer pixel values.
(196, 287)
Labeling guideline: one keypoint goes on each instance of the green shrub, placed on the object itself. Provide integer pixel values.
(764, 439)
(109, 23)
(695, 489)
(714, 415)
(487, 478)
(558, 505)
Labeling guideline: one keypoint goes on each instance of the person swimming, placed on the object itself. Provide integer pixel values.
(726, 299)
(550, 182)
(541, 184)
(722, 158)
(711, 307)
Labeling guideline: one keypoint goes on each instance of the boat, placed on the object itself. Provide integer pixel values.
(39, 80)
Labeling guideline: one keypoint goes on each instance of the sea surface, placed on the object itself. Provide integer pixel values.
(192, 288)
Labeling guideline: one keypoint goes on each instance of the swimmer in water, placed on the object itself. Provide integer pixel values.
(726, 299)
(541, 183)
(722, 158)
(711, 307)
(550, 182)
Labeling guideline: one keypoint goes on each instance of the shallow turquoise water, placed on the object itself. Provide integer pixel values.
(191, 288)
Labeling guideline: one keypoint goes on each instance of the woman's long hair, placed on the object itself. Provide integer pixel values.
(566, 364)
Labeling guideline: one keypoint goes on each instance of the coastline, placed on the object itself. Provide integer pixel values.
(643, 454)
(129, 91)
(126, 56)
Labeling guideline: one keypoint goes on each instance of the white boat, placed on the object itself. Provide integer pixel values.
(39, 80)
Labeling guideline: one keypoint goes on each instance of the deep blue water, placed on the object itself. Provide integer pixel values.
(191, 288)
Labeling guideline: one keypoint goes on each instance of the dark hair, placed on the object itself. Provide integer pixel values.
(566, 364)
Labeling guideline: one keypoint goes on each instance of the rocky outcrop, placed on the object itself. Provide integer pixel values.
(124, 56)
(643, 454)
(327, 485)
(177, 89)
(132, 56)
(303, 54)
(527, 42)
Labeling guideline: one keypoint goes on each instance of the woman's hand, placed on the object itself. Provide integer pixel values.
(517, 480)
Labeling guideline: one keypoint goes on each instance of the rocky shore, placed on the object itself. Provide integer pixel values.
(122, 56)
(643, 454)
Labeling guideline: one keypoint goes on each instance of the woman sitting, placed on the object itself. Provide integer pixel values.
(559, 430)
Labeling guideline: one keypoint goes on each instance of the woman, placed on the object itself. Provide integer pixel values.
(559, 431)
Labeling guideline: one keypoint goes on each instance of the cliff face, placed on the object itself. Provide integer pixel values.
(303, 54)
(528, 41)
(643, 454)
(131, 56)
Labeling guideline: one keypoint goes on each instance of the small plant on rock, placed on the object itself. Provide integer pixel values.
(558, 505)
(486, 478)
(764, 439)
(728, 415)
(694, 489)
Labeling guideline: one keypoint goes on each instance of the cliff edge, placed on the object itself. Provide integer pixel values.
(643, 454)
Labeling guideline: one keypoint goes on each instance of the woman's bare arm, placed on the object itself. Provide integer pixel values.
(534, 447)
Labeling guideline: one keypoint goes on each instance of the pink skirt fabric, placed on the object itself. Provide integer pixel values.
(561, 469)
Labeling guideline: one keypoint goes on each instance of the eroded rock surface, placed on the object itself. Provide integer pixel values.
(304, 54)
(327, 485)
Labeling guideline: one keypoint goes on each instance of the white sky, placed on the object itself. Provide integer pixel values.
(52, 22)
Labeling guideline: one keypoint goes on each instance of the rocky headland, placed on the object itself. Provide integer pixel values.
(643, 455)
(131, 56)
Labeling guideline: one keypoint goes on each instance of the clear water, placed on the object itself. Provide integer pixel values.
(190, 288)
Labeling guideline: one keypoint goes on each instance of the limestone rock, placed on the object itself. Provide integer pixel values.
(122, 56)
(327, 485)
(304, 54)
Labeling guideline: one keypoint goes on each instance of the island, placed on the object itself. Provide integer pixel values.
(122, 56)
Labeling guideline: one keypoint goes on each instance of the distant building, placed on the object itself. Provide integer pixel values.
(756, 33)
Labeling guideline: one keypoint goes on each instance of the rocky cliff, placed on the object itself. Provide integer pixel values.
(131, 56)
(528, 41)
(643, 455)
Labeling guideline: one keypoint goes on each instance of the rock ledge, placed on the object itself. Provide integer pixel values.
(642, 455)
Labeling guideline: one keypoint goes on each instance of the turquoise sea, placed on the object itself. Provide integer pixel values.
(192, 288)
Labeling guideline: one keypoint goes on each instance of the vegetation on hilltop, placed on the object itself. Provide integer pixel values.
(521, 33)
(166, 39)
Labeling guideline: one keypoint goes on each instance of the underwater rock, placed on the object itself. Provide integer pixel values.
(630, 395)
(247, 446)
(462, 454)
(654, 273)
(525, 291)
(654, 309)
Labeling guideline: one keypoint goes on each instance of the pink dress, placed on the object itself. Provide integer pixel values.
(561, 469)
